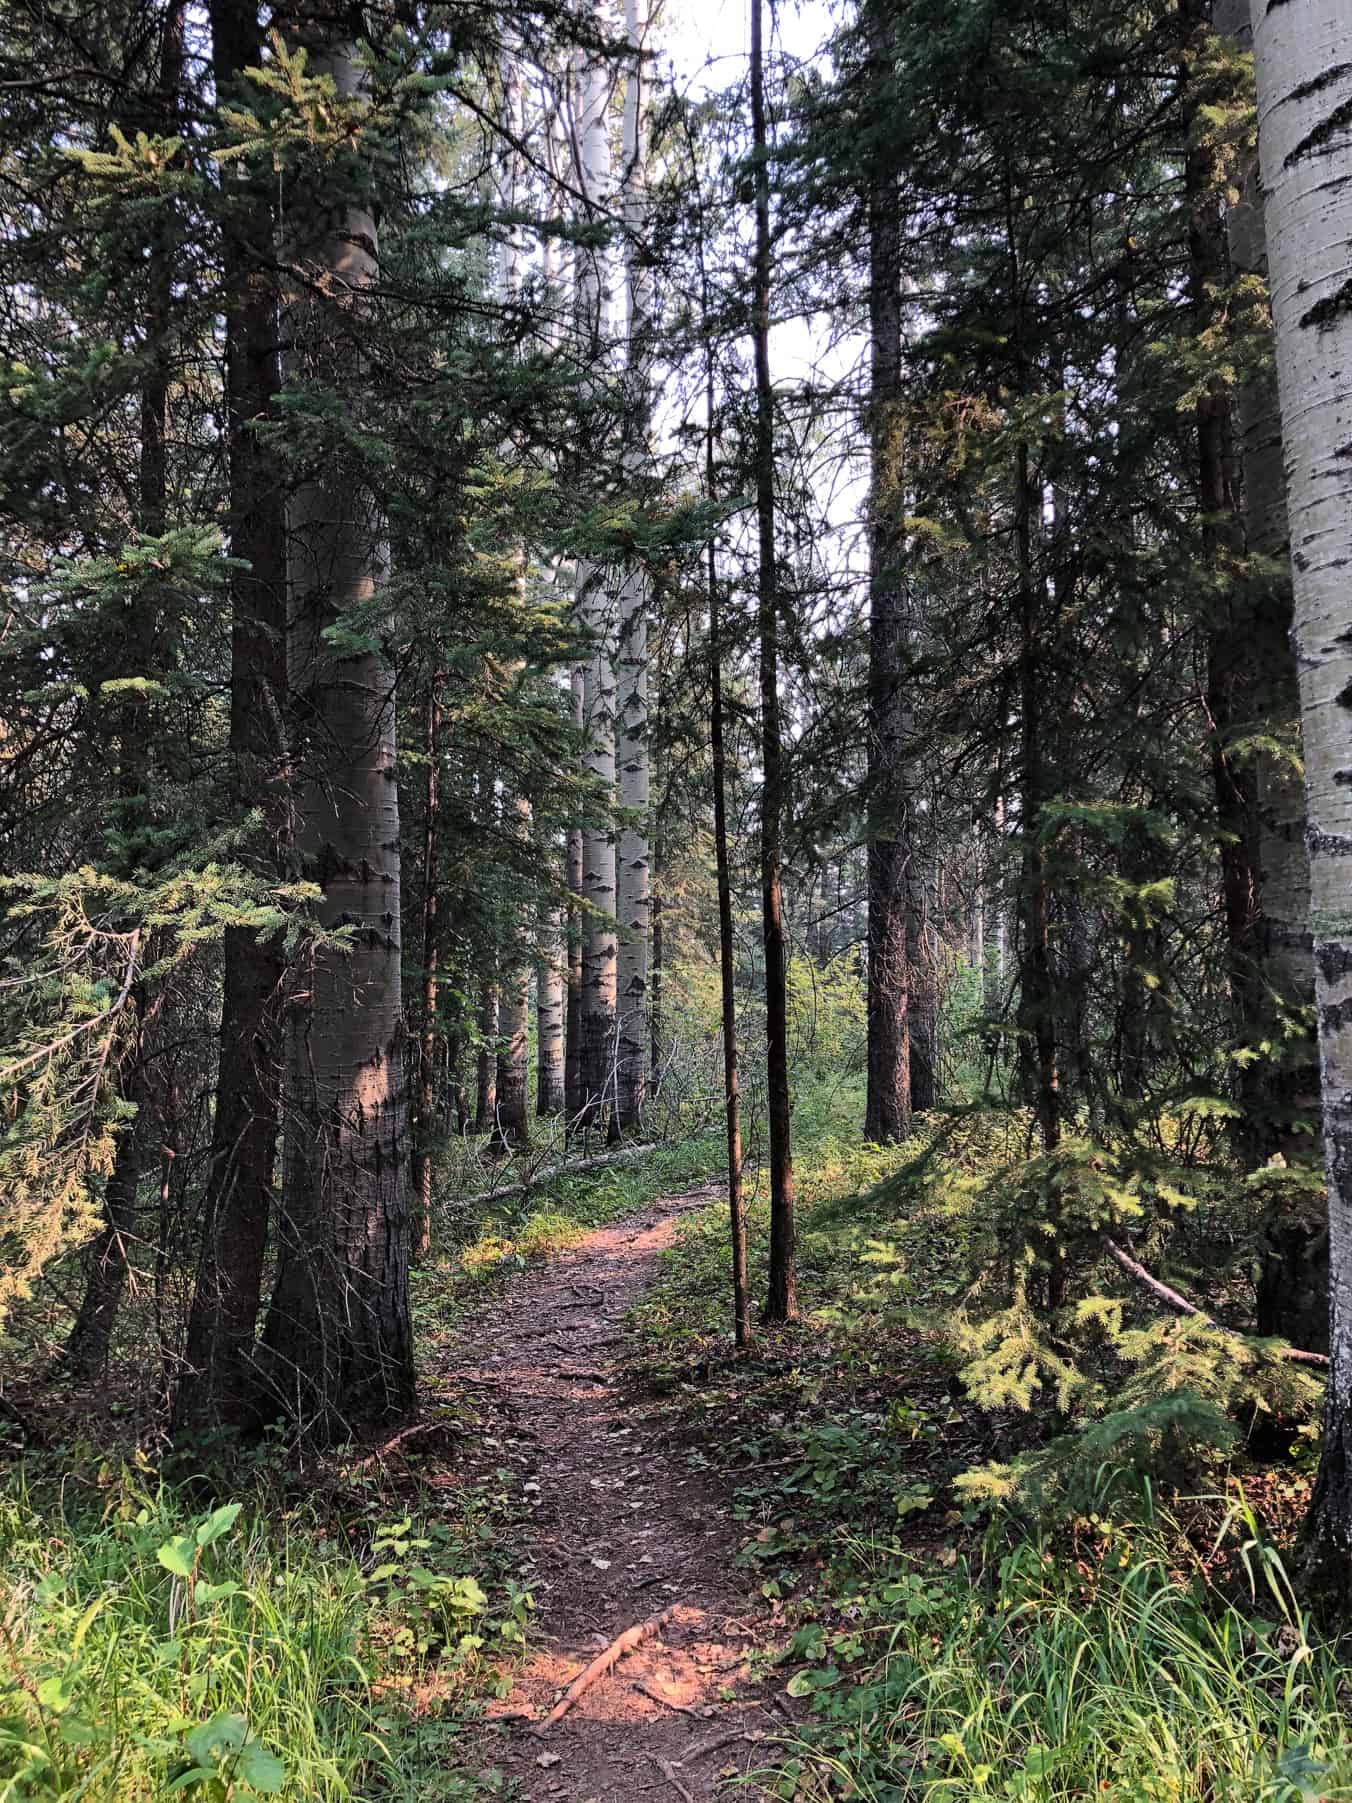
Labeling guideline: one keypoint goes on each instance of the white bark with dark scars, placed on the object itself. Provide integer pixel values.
(597, 1008)
(634, 862)
(1304, 97)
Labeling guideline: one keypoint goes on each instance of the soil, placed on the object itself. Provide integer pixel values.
(625, 1530)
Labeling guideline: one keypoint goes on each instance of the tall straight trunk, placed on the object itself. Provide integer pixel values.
(430, 1039)
(782, 1300)
(572, 1070)
(727, 945)
(1292, 1298)
(338, 1334)
(1304, 98)
(1037, 977)
(891, 865)
(107, 1263)
(597, 1010)
(634, 857)
(511, 1124)
(923, 966)
(511, 1121)
(486, 1070)
(107, 1267)
(218, 1383)
(551, 980)
(1231, 677)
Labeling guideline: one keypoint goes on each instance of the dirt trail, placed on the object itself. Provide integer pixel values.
(624, 1530)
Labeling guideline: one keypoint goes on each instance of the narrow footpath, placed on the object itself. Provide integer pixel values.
(627, 1535)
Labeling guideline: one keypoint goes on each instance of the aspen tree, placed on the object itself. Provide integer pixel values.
(633, 860)
(1304, 99)
(597, 1001)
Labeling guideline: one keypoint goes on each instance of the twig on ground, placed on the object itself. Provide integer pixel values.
(703, 1748)
(668, 1771)
(405, 1433)
(655, 1696)
(603, 1662)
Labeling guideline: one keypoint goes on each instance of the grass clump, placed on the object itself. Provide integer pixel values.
(1107, 1663)
(149, 1649)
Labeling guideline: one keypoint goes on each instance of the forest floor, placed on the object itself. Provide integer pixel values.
(625, 1530)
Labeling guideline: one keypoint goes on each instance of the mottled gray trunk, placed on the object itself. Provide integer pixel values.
(633, 865)
(551, 981)
(597, 1005)
(1304, 98)
(486, 1065)
(338, 1334)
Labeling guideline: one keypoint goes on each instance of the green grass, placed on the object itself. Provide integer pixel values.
(1108, 1667)
(147, 1649)
(1113, 1656)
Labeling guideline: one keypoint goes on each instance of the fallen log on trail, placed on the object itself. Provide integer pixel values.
(622, 1644)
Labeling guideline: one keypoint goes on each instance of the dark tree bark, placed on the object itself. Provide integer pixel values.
(782, 1300)
(891, 872)
(339, 1337)
(86, 1349)
(218, 1386)
(727, 948)
(572, 1070)
(486, 1068)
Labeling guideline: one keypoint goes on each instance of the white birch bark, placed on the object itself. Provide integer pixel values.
(633, 870)
(597, 1010)
(338, 1330)
(1304, 103)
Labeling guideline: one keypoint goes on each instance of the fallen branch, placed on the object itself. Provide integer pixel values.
(405, 1433)
(668, 1771)
(655, 1696)
(1181, 1306)
(703, 1748)
(603, 1662)
(572, 1167)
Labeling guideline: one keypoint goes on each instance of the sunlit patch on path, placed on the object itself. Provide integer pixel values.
(625, 1533)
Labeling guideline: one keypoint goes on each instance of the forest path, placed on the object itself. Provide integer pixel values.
(624, 1530)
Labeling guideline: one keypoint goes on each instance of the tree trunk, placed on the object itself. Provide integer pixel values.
(425, 1124)
(782, 1300)
(86, 1349)
(727, 945)
(486, 1073)
(1037, 977)
(572, 1070)
(632, 868)
(1293, 1284)
(1304, 95)
(218, 1383)
(85, 1353)
(597, 1022)
(511, 1122)
(891, 867)
(550, 988)
(338, 1333)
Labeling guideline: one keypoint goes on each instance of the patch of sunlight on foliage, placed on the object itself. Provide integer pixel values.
(1111, 1667)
